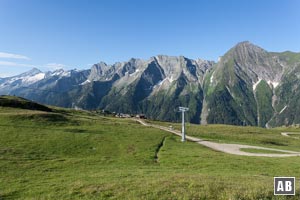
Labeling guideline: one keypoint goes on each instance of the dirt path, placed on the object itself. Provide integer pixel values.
(287, 134)
(228, 148)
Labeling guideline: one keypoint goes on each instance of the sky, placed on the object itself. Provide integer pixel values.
(69, 34)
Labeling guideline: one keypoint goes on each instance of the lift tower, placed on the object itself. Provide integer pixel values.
(183, 110)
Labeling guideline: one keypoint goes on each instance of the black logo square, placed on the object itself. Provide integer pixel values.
(284, 185)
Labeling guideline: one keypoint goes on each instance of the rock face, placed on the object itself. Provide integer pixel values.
(158, 86)
(248, 86)
(245, 87)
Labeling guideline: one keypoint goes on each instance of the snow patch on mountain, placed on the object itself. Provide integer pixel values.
(85, 82)
(25, 79)
(212, 77)
(165, 83)
(171, 79)
(160, 82)
(282, 109)
(61, 73)
(228, 89)
(34, 78)
(273, 83)
(134, 73)
(256, 84)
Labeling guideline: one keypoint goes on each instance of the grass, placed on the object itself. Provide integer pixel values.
(294, 135)
(264, 151)
(67, 154)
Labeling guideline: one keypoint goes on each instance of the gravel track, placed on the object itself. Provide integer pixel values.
(234, 149)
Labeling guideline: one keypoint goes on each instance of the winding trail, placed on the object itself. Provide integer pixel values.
(234, 149)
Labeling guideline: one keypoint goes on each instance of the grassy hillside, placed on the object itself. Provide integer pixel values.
(17, 102)
(67, 154)
(264, 103)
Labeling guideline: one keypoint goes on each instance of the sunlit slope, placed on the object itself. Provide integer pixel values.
(67, 154)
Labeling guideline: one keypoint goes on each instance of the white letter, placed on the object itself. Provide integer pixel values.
(288, 186)
(280, 186)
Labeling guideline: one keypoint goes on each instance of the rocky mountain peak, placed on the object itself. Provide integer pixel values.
(246, 49)
(31, 72)
(253, 61)
(98, 70)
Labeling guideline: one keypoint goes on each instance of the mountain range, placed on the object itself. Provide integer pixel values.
(247, 86)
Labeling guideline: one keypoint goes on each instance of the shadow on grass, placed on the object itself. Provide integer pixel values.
(272, 142)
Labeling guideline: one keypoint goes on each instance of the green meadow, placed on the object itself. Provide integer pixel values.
(67, 154)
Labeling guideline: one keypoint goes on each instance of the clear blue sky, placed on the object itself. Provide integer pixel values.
(76, 33)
